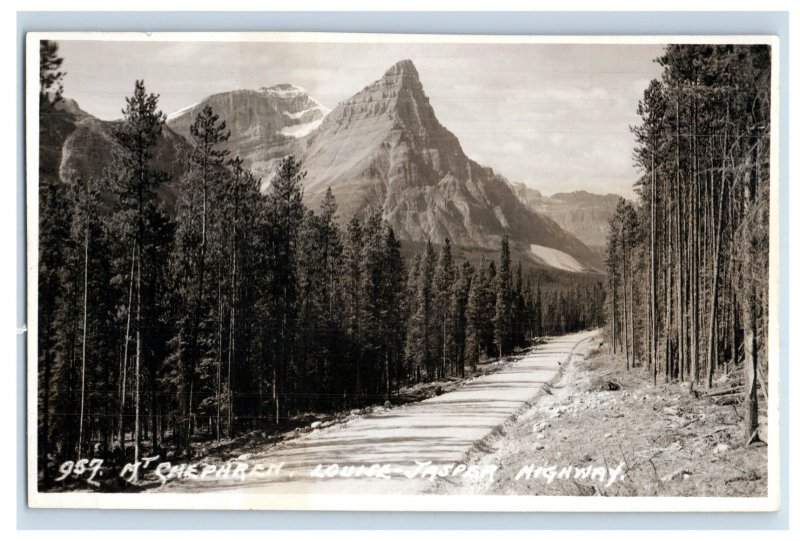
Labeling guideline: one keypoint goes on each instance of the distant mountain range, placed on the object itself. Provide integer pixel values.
(585, 215)
(382, 148)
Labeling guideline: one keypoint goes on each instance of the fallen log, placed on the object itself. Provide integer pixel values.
(723, 392)
(727, 400)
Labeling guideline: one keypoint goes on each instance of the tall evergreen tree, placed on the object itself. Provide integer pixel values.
(503, 306)
(394, 294)
(54, 219)
(138, 215)
(284, 211)
(51, 86)
(459, 309)
(422, 320)
(444, 324)
(202, 194)
(353, 304)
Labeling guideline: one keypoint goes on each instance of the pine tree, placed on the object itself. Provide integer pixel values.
(473, 316)
(413, 331)
(459, 309)
(488, 325)
(443, 316)
(284, 211)
(54, 219)
(51, 77)
(331, 257)
(353, 304)
(85, 225)
(311, 280)
(394, 294)
(138, 215)
(241, 217)
(374, 306)
(198, 238)
(423, 318)
(518, 309)
(503, 307)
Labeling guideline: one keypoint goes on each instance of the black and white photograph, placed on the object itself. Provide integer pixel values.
(402, 272)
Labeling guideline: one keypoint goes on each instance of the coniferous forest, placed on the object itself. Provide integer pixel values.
(236, 308)
(688, 263)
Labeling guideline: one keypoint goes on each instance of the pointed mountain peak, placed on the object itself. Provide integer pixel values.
(396, 106)
(403, 68)
(398, 96)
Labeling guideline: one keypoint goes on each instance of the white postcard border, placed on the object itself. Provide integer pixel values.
(371, 502)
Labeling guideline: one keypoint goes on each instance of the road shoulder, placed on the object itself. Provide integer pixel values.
(580, 437)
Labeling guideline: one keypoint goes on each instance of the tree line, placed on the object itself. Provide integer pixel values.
(241, 307)
(688, 263)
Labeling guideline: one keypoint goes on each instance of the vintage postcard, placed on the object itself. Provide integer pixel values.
(402, 272)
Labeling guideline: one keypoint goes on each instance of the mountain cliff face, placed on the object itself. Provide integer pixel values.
(583, 214)
(384, 148)
(264, 123)
(586, 215)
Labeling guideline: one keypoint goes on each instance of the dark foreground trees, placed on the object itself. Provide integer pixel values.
(54, 216)
(688, 265)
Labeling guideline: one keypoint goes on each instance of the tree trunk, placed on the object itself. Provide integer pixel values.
(136, 427)
(653, 225)
(232, 339)
(614, 313)
(712, 341)
(219, 355)
(680, 254)
(45, 441)
(124, 371)
(668, 324)
(85, 320)
(695, 252)
(625, 298)
(750, 366)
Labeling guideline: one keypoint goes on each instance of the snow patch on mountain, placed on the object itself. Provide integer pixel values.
(299, 114)
(175, 114)
(556, 258)
(301, 130)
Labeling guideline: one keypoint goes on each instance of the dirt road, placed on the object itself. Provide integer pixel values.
(390, 452)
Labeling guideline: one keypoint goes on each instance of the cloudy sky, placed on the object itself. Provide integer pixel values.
(556, 117)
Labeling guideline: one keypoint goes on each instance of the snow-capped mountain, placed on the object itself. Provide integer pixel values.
(263, 122)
